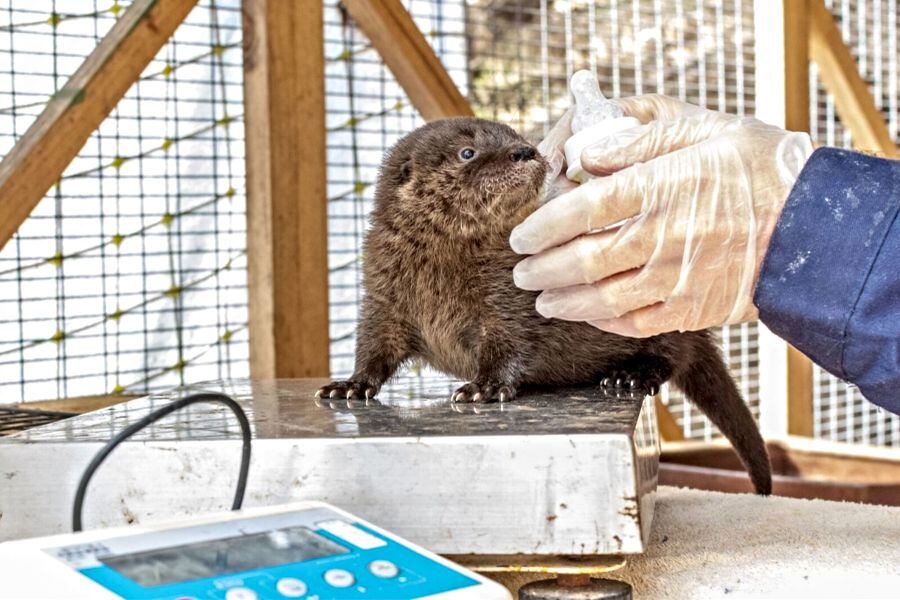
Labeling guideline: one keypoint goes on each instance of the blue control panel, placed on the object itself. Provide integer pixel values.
(318, 556)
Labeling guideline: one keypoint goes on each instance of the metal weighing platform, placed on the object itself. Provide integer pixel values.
(553, 479)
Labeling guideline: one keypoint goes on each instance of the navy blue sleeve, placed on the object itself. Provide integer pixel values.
(830, 281)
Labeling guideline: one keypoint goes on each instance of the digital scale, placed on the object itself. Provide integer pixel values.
(308, 550)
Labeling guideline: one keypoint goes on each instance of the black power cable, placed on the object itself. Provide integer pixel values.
(156, 415)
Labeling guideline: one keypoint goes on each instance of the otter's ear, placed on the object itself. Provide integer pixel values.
(405, 172)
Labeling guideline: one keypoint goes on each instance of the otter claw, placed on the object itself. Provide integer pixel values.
(483, 392)
(622, 382)
(347, 390)
(629, 382)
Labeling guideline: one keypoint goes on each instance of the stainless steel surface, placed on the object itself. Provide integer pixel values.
(554, 472)
(408, 407)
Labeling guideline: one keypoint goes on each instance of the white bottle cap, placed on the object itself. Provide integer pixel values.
(595, 118)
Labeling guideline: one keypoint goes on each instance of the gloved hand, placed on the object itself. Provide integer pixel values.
(700, 193)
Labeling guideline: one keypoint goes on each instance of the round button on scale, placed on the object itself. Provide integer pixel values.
(290, 587)
(384, 569)
(240, 593)
(339, 578)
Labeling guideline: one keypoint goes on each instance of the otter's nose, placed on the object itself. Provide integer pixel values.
(522, 153)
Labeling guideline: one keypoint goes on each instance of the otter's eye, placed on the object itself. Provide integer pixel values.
(467, 153)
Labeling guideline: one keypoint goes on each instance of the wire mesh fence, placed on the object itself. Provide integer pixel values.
(512, 59)
(870, 30)
(130, 274)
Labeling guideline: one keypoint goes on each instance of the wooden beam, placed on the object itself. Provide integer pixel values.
(669, 431)
(79, 404)
(800, 393)
(839, 72)
(287, 243)
(39, 158)
(410, 58)
(796, 64)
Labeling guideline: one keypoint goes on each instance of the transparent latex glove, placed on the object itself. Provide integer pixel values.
(699, 192)
(551, 148)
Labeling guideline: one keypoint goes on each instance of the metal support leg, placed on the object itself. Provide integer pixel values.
(575, 587)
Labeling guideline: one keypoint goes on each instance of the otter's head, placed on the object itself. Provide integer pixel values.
(461, 175)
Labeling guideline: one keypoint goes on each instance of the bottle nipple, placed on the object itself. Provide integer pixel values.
(591, 106)
(595, 119)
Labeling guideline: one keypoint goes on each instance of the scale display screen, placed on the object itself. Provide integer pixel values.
(224, 556)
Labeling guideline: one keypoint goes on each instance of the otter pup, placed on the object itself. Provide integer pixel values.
(439, 287)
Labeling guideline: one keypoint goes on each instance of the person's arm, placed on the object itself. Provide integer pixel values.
(673, 235)
(830, 280)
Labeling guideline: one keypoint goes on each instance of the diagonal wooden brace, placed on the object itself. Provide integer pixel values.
(39, 158)
(838, 70)
(410, 58)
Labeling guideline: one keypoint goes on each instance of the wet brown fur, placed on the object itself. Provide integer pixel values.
(439, 288)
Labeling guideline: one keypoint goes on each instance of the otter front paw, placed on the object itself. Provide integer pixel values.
(484, 391)
(348, 390)
(638, 382)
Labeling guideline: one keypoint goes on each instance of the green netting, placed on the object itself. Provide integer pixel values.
(131, 274)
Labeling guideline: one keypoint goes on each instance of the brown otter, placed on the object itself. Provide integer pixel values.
(439, 287)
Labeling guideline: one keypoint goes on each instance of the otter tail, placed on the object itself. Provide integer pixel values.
(707, 383)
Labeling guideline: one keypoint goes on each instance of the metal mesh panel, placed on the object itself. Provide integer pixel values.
(130, 274)
(513, 59)
(138, 254)
(870, 30)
